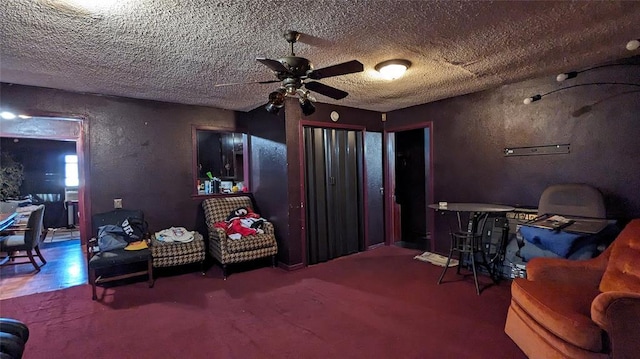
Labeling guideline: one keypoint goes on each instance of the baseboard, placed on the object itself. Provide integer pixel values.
(290, 267)
(374, 246)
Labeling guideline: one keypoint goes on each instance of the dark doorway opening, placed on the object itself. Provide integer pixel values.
(412, 187)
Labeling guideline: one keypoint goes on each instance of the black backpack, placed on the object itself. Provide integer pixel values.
(135, 228)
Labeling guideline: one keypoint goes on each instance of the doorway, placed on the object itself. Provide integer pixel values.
(408, 167)
(66, 261)
(334, 193)
(50, 178)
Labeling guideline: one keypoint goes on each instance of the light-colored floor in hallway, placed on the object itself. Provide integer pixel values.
(66, 267)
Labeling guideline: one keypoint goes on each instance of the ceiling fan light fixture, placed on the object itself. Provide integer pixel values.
(272, 109)
(307, 106)
(393, 69)
(277, 97)
(276, 101)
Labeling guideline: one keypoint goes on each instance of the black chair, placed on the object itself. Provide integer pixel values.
(119, 263)
(469, 244)
(13, 337)
(20, 238)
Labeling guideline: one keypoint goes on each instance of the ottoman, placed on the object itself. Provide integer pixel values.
(175, 253)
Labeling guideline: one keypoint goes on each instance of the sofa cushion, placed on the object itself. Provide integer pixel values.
(118, 257)
(623, 271)
(564, 310)
(161, 249)
(169, 254)
(250, 243)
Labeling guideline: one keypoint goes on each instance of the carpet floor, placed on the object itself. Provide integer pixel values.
(377, 304)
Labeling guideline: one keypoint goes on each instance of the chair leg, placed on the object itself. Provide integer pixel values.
(150, 272)
(33, 261)
(446, 266)
(37, 248)
(224, 271)
(273, 261)
(475, 274)
(92, 279)
(202, 268)
(460, 261)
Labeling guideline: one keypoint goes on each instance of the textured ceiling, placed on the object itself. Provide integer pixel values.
(176, 50)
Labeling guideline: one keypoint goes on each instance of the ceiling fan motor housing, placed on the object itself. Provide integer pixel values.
(291, 84)
(298, 66)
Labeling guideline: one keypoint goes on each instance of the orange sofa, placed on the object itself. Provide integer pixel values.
(580, 309)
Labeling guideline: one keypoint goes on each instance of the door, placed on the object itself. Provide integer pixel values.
(374, 214)
(334, 194)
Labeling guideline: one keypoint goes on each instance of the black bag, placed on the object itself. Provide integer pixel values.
(134, 228)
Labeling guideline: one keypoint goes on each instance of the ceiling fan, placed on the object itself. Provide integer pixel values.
(294, 73)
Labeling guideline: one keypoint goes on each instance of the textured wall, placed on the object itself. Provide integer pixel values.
(268, 171)
(140, 151)
(599, 122)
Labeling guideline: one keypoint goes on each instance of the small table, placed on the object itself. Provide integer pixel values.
(468, 240)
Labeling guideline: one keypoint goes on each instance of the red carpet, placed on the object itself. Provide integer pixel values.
(377, 304)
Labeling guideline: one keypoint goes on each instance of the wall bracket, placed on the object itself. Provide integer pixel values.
(537, 150)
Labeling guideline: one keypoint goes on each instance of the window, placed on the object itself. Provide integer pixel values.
(71, 171)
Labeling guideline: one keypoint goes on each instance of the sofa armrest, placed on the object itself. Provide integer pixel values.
(617, 313)
(92, 247)
(14, 327)
(585, 272)
(267, 227)
(217, 234)
(13, 336)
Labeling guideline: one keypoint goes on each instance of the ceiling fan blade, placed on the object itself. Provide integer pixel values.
(328, 91)
(246, 83)
(274, 65)
(344, 68)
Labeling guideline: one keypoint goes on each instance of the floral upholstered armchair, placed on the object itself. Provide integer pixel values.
(247, 247)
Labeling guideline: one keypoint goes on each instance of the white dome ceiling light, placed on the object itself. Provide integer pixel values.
(393, 69)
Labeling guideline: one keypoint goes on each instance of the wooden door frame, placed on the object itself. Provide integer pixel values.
(303, 188)
(82, 151)
(388, 163)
